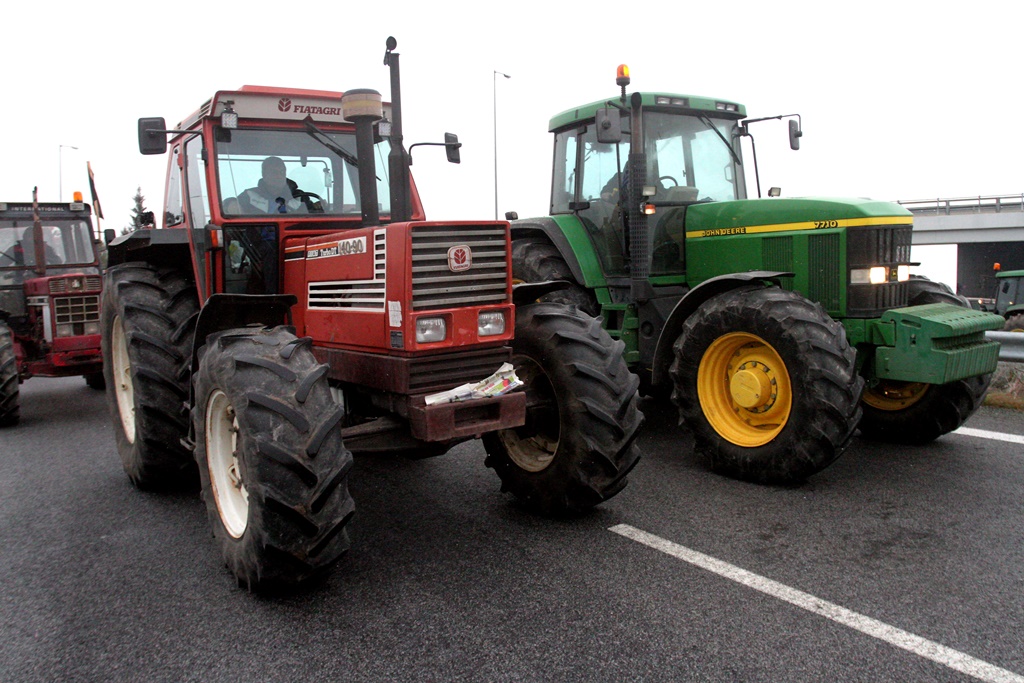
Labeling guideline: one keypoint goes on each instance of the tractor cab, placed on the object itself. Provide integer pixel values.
(691, 155)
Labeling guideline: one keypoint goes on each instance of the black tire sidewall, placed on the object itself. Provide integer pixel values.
(592, 459)
(10, 409)
(822, 414)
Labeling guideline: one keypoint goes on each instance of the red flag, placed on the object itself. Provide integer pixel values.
(92, 190)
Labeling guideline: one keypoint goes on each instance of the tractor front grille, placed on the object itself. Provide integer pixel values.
(877, 246)
(76, 309)
(436, 284)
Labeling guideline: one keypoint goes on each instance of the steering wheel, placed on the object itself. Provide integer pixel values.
(313, 201)
(675, 183)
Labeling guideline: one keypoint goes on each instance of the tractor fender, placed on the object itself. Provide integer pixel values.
(693, 300)
(554, 233)
(227, 311)
(158, 246)
(528, 292)
(1013, 310)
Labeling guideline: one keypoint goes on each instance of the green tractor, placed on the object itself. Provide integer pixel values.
(777, 326)
(1009, 299)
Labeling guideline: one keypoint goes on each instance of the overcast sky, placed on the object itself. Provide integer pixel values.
(900, 100)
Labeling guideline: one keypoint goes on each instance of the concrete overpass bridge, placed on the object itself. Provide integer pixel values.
(985, 230)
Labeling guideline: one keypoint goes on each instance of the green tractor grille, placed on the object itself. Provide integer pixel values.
(876, 246)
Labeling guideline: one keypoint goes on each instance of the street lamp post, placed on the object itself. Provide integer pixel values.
(60, 169)
(495, 84)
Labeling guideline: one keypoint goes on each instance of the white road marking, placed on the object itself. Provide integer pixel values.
(928, 649)
(994, 436)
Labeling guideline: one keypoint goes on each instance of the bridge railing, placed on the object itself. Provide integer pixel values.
(1011, 345)
(955, 205)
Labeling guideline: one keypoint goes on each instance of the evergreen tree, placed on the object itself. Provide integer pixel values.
(137, 212)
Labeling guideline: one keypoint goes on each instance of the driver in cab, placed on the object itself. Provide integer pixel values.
(274, 193)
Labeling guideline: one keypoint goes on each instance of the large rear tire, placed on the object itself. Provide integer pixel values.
(273, 467)
(916, 412)
(1015, 323)
(147, 323)
(766, 382)
(10, 406)
(534, 259)
(577, 445)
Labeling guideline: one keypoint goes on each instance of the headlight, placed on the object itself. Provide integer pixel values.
(431, 330)
(902, 273)
(92, 328)
(875, 275)
(65, 330)
(490, 323)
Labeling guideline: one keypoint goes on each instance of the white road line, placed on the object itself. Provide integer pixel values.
(928, 649)
(994, 436)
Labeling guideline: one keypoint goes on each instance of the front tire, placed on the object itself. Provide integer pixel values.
(10, 405)
(577, 445)
(147, 323)
(917, 413)
(273, 468)
(766, 382)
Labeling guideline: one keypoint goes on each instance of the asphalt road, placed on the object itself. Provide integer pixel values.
(891, 565)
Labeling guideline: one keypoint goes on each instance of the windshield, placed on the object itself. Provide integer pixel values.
(688, 159)
(65, 243)
(276, 171)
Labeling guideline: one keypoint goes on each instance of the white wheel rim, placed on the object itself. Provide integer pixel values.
(123, 388)
(225, 477)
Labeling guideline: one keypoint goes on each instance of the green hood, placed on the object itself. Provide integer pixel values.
(717, 219)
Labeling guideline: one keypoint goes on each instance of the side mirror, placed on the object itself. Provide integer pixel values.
(609, 128)
(794, 134)
(451, 147)
(152, 139)
(108, 235)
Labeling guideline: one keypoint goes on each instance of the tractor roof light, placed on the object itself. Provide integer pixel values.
(622, 76)
(229, 117)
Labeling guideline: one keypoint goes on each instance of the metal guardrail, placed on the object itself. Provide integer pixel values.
(980, 204)
(1011, 345)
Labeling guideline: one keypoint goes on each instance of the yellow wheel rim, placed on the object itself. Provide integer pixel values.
(744, 389)
(893, 395)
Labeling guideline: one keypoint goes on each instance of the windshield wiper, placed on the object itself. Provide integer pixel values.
(707, 122)
(325, 140)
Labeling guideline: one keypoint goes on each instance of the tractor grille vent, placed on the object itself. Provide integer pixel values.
(824, 258)
(355, 295)
(436, 373)
(436, 285)
(873, 246)
(777, 255)
(76, 309)
(63, 285)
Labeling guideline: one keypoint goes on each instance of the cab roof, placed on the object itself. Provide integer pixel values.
(274, 103)
(661, 100)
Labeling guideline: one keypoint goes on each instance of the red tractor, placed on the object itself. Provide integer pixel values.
(296, 306)
(49, 297)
